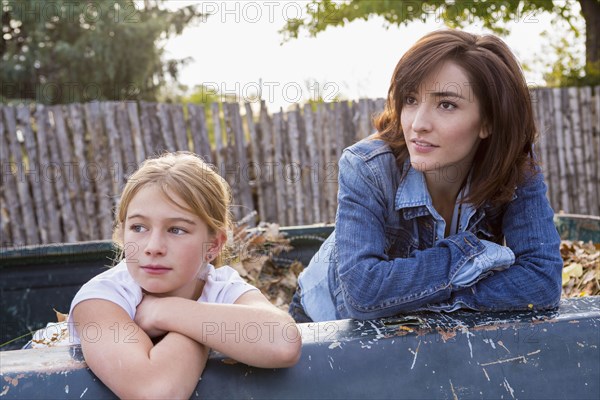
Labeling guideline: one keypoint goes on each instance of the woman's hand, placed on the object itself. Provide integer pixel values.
(146, 316)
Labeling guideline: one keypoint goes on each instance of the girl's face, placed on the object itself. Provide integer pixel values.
(165, 245)
(442, 124)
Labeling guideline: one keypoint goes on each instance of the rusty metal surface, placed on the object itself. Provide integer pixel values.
(423, 356)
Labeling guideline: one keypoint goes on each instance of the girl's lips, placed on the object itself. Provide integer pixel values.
(155, 269)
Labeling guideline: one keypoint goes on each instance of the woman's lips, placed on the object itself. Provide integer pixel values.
(156, 269)
(422, 146)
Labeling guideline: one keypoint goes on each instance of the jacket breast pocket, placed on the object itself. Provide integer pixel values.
(399, 242)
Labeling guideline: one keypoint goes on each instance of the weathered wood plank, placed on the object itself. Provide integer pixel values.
(147, 129)
(72, 183)
(199, 132)
(230, 165)
(581, 203)
(280, 186)
(216, 119)
(179, 127)
(562, 168)
(295, 178)
(165, 128)
(127, 149)
(325, 157)
(34, 174)
(136, 132)
(27, 208)
(99, 169)
(56, 148)
(114, 149)
(336, 140)
(13, 221)
(47, 182)
(268, 168)
(313, 162)
(253, 169)
(87, 222)
(590, 152)
(241, 154)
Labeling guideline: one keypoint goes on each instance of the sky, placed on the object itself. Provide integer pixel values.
(238, 50)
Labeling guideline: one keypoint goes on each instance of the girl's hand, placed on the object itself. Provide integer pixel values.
(146, 314)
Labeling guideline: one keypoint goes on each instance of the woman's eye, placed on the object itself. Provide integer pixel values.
(410, 100)
(447, 105)
(137, 228)
(177, 231)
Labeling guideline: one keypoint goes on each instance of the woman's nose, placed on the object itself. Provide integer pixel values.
(421, 118)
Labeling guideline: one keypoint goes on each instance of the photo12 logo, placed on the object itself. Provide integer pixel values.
(271, 92)
(269, 11)
(80, 12)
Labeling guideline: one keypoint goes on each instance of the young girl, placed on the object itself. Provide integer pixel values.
(444, 207)
(171, 222)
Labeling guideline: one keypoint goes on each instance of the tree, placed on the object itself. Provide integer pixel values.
(455, 13)
(64, 51)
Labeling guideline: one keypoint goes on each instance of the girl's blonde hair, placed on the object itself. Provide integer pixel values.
(204, 192)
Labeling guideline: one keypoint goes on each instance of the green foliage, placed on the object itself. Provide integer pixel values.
(493, 14)
(456, 13)
(64, 51)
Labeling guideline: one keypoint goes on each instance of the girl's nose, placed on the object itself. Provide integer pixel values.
(155, 245)
(421, 118)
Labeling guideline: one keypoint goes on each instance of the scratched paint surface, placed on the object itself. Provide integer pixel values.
(422, 356)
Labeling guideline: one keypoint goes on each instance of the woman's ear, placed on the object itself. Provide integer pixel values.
(484, 132)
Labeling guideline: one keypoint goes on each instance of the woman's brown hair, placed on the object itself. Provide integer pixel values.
(504, 158)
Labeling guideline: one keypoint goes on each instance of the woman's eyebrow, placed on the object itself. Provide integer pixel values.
(447, 94)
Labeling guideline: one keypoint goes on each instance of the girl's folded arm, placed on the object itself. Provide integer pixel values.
(252, 330)
(124, 358)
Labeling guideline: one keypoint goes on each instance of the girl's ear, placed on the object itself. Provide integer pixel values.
(216, 245)
(219, 241)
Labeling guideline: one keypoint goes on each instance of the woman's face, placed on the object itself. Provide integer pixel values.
(442, 124)
(165, 245)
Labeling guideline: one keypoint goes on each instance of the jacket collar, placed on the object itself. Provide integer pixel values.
(413, 198)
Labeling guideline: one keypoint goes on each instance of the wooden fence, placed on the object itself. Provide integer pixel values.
(63, 166)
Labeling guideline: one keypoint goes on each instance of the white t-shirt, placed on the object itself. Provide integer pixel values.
(222, 285)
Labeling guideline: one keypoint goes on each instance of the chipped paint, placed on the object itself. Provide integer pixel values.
(446, 335)
(454, 396)
(508, 388)
(486, 374)
(82, 394)
(520, 358)
(468, 335)
(501, 344)
(416, 353)
(335, 345)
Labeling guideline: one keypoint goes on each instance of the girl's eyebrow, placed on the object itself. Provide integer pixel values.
(173, 219)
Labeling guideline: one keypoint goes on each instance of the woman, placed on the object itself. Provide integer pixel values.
(444, 207)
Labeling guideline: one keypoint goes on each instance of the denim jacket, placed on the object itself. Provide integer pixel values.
(388, 253)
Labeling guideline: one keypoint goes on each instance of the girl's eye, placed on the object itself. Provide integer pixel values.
(410, 100)
(137, 228)
(446, 105)
(177, 231)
